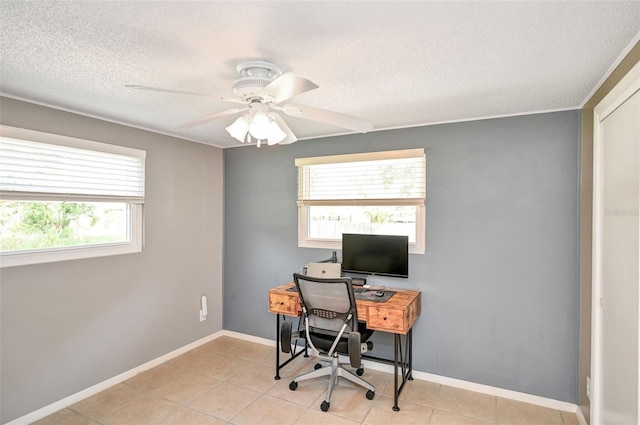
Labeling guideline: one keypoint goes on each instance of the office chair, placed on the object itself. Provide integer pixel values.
(331, 328)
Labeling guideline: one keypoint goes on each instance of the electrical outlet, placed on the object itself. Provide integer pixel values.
(203, 308)
(588, 388)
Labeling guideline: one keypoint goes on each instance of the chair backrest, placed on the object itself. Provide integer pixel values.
(328, 303)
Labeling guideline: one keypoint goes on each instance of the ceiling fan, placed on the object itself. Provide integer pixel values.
(262, 90)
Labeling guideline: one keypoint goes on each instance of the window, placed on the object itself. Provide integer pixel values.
(63, 198)
(375, 193)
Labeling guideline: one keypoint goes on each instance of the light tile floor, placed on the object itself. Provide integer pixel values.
(231, 381)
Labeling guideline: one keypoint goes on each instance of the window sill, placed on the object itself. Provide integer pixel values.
(23, 258)
(337, 245)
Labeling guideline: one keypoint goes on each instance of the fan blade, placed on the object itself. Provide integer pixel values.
(210, 117)
(285, 87)
(328, 117)
(224, 98)
(283, 125)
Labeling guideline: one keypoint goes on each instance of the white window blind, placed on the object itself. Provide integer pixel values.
(34, 170)
(379, 178)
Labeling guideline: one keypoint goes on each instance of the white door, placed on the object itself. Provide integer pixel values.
(616, 260)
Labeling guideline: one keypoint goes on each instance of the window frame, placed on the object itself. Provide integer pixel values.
(135, 216)
(304, 241)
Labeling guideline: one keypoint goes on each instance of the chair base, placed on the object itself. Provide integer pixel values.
(334, 370)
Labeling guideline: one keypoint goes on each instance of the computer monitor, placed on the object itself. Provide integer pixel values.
(385, 255)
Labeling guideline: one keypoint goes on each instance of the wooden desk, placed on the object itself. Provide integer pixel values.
(396, 316)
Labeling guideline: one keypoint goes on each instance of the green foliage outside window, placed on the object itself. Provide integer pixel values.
(37, 225)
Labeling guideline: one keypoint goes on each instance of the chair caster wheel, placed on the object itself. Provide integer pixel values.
(317, 366)
(370, 395)
(359, 371)
(293, 385)
(324, 406)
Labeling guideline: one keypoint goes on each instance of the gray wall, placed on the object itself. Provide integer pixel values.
(69, 325)
(499, 279)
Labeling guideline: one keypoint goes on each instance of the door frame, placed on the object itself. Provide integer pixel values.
(627, 86)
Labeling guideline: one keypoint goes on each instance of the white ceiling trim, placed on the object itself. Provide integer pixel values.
(488, 117)
(97, 117)
(612, 68)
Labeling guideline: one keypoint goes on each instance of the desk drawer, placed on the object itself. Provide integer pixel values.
(362, 312)
(284, 304)
(387, 319)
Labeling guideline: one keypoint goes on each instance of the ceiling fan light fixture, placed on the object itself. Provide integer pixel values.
(238, 129)
(276, 135)
(260, 126)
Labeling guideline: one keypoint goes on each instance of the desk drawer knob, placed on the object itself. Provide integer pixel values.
(384, 318)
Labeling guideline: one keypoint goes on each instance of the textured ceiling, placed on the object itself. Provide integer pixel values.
(396, 64)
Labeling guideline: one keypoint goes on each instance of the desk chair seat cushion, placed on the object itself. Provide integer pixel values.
(324, 340)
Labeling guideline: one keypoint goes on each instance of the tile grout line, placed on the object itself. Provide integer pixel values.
(182, 405)
(98, 419)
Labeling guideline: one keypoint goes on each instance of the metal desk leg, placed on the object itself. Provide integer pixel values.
(410, 353)
(277, 347)
(404, 361)
(396, 393)
(295, 353)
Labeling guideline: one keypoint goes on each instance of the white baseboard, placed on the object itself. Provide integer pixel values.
(581, 419)
(452, 382)
(498, 392)
(88, 392)
(457, 383)
(250, 338)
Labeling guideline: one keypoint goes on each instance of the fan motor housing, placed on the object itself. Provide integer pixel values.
(249, 86)
(254, 76)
